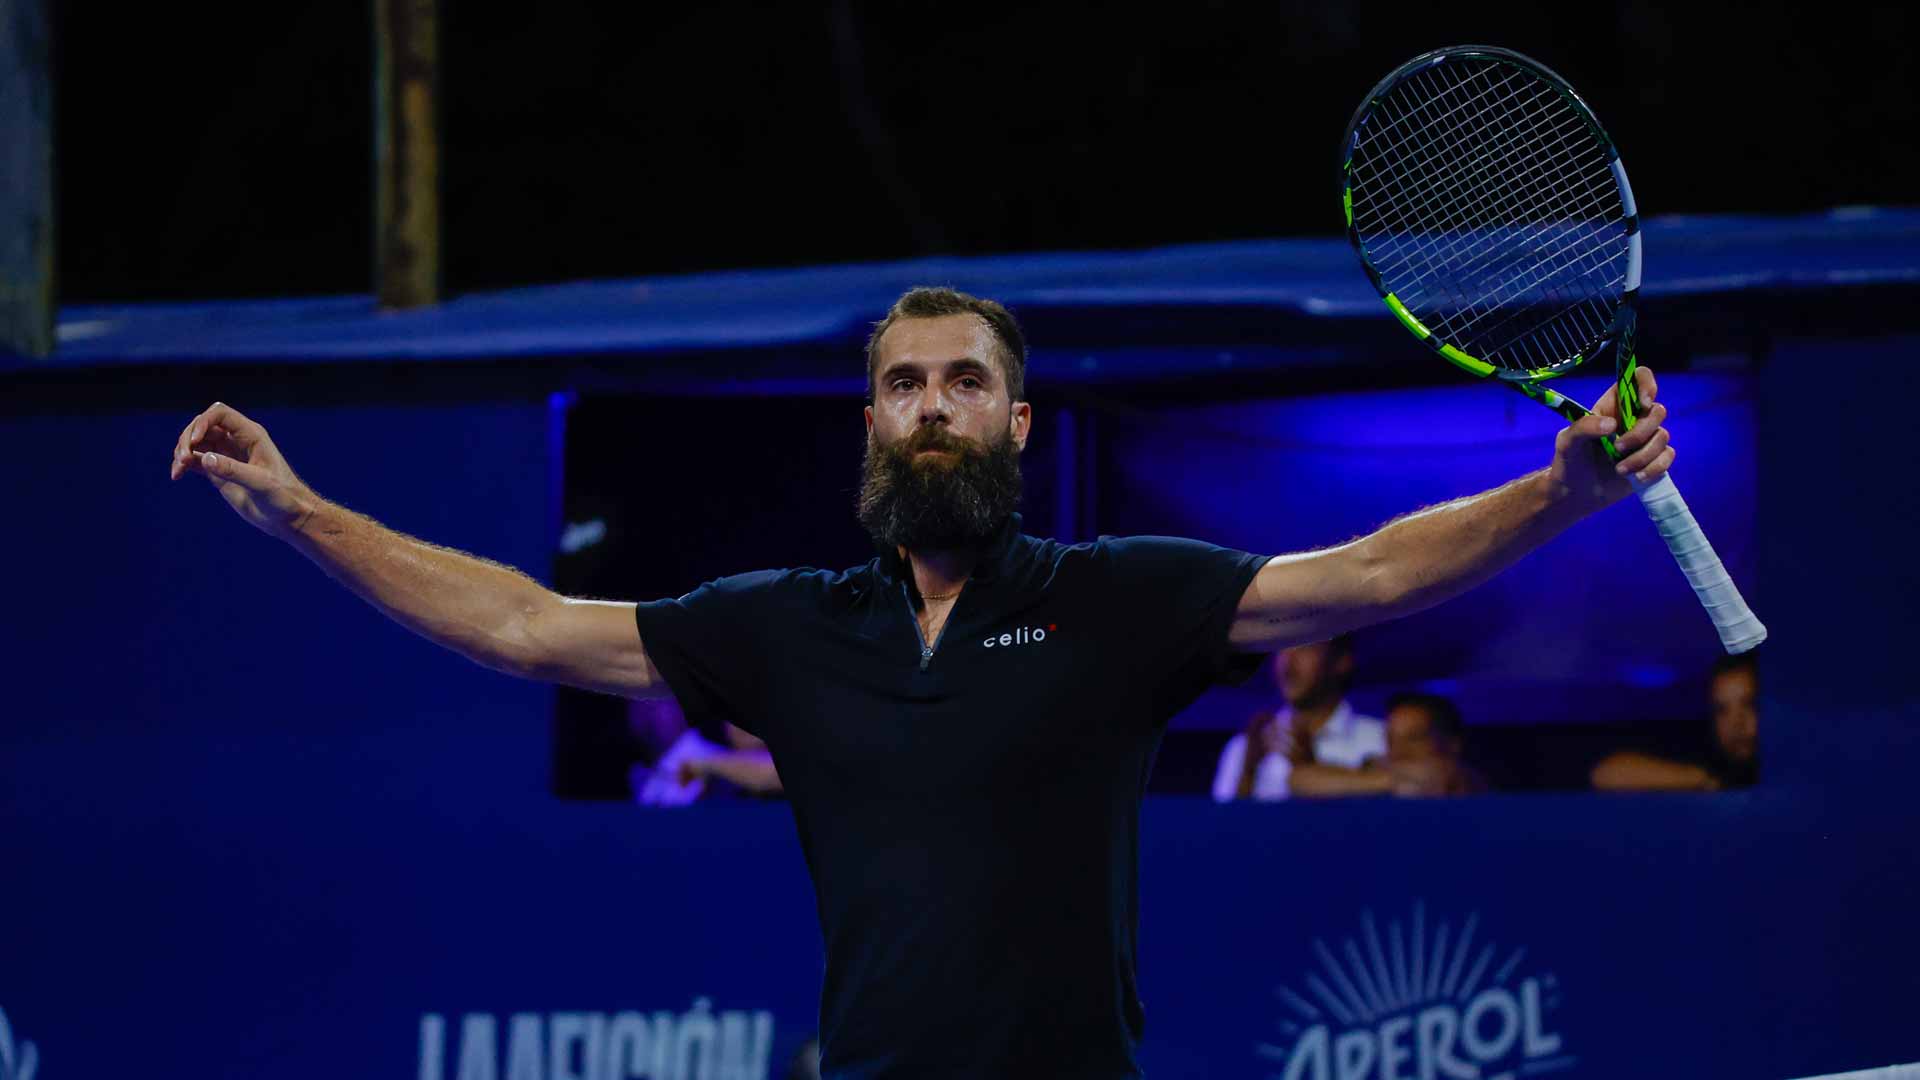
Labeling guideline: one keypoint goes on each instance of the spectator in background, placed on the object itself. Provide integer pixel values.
(1315, 746)
(1426, 749)
(678, 761)
(745, 763)
(1733, 757)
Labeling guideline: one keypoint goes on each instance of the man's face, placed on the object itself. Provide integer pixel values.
(943, 371)
(1736, 713)
(944, 436)
(1410, 736)
(1311, 674)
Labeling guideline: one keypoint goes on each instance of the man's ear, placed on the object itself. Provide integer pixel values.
(1022, 423)
(869, 414)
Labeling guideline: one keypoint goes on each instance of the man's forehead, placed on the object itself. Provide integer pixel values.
(938, 339)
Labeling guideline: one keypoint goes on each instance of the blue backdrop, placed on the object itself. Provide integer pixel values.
(249, 828)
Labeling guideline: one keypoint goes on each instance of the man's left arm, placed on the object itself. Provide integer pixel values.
(1435, 554)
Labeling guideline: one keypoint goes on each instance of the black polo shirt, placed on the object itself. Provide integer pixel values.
(970, 813)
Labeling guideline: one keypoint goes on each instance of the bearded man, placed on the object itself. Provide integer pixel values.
(964, 725)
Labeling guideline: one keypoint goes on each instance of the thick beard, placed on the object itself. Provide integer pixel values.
(936, 505)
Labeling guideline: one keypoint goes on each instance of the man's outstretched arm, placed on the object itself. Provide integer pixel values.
(492, 614)
(1438, 553)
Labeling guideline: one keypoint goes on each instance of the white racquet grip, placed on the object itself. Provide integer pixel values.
(1739, 628)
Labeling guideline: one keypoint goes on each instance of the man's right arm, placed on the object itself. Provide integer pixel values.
(492, 614)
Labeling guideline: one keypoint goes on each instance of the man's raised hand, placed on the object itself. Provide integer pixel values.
(239, 459)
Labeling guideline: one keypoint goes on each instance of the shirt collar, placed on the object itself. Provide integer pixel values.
(996, 555)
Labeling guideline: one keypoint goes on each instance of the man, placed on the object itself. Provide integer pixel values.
(1316, 746)
(1733, 760)
(964, 724)
(1426, 748)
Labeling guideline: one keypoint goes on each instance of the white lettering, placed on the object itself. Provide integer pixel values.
(746, 1045)
(1309, 1052)
(1538, 1043)
(694, 1057)
(1494, 999)
(991, 643)
(478, 1059)
(524, 1058)
(1393, 1047)
(433, 1033)
(1039, 635)
(1436, 1028)
(627, 1047)
(1006, 639)
(1353, 1055)
(567, 1046)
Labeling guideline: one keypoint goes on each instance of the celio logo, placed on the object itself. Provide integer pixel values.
(1025, 635)
(16, 1063)
(1416, 1004)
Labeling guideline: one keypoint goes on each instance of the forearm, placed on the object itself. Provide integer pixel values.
(1629, 771)
(1314, 781)
(477, 608)
(1438, 553)
(749, 769)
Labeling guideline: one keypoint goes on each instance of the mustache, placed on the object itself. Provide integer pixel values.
(954, 504)
(935, 437)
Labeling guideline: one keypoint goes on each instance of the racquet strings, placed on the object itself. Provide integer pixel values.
(1488, 205)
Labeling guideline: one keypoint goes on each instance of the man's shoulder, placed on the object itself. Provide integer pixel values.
(793, 586)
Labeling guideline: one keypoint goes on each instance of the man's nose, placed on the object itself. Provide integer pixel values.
(933, 404)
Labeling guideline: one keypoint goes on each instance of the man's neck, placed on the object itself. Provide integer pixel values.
(940, 575)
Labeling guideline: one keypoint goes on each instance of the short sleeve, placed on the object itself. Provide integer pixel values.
(1179, 598)
(708, 645)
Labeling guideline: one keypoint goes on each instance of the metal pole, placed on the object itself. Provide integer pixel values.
(406, 153)
(26, 178)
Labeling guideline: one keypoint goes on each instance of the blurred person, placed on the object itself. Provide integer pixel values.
(964, 724)
(677, 759)
(1315, 744)
(744, 763)
(1426, 748)
(1732, 758)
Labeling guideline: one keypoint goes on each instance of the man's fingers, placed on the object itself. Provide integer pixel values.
(1644, 430)
(221, 467)
(1647, 386)
(1644, 456)
(1591, 426)
(1657, 469)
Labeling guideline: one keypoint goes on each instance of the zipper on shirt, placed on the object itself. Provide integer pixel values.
(926, 650)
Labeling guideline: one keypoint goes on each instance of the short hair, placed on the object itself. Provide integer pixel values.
(1748, 662)
(933, 301)
(1442, 714)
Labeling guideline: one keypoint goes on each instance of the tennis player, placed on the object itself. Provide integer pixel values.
(964, 724)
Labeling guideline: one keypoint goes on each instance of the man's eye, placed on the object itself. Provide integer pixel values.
(970, 383)
(903, 384)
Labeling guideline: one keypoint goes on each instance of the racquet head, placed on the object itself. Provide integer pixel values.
(1491, 211)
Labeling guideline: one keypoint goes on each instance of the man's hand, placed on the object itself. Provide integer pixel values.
(1424, 778)
(1580, 466)
(238, 457)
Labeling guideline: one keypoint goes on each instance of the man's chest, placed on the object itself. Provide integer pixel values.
(995, 694)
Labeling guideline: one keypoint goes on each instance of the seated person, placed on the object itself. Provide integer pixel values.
(1316, 745)
(1426, 744)
(746, 764)
(678, 760)
(1732, 760)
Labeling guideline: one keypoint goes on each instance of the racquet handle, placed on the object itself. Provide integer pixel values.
(1739, 628)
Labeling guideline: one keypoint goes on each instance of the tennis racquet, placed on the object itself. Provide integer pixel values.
(1491, 211)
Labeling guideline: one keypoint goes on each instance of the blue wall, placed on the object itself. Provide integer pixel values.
(248, 828)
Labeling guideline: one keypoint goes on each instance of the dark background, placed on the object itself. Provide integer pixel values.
(225, 149)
